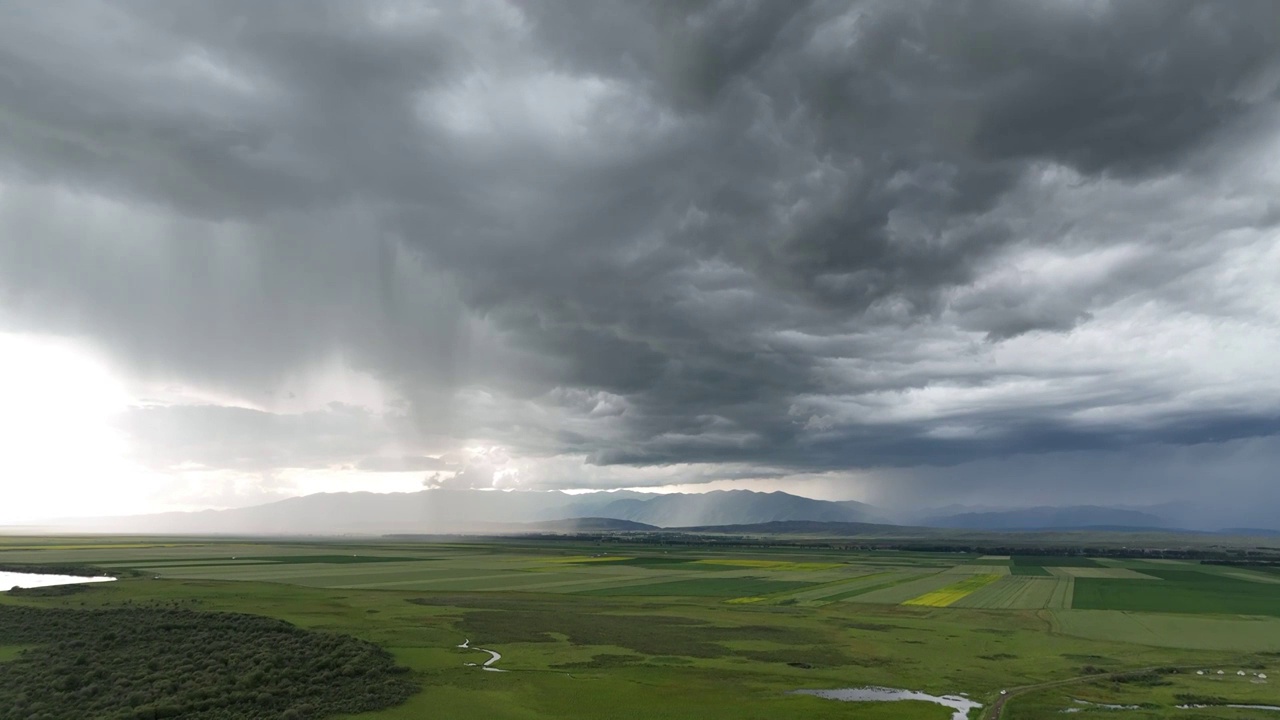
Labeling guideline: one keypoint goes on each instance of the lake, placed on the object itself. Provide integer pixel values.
(11, 580)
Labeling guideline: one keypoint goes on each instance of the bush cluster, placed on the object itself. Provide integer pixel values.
(140, 663)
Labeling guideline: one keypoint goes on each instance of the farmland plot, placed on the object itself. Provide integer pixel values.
(1013, 593)
(949, 595)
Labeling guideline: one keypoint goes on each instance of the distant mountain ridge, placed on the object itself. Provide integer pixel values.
(461, 511)
(811, 527)
(744, 507)
(443, 511)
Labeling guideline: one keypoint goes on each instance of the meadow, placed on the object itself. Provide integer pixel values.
(600, 629)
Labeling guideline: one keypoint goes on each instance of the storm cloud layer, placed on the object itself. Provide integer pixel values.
(627, 243)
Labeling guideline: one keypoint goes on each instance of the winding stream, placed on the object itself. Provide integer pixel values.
(494, 656)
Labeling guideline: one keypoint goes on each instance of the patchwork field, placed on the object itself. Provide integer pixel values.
(1054, 561)
(1017, 592)
(596, 630)
(949, 595)
(1100, 572)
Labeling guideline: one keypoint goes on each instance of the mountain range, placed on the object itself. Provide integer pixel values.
(479, 511)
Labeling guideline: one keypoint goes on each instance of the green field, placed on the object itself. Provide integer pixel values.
(949, 595)
(1053, 561)
(1015, 592)
(706, 587)
(1179, 591)
(592, 630)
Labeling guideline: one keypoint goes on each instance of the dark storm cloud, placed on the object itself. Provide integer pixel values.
(1202, 486)
(794, 234)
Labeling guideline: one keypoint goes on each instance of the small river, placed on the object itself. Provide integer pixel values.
(494, 656)
(11, 580)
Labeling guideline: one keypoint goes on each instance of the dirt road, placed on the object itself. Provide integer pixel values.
(997, 708)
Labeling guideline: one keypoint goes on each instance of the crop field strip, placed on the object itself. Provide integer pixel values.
(1100, 572)
(1048, 561)
(1254, 574)
(1201, 632)
(849, 585)
(1014, 592)
(1245, 574)
(971, 569)
(1064, 594)
(949, 595)
(828, 591)
(735, 587)
(897, 593)
(892, 580)
(589, 583)
(1179, 591)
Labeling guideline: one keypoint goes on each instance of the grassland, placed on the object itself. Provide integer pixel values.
(591, 630)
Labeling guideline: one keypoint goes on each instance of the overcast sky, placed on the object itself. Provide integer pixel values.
(897, 251)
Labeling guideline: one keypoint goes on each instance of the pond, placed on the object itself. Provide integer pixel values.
(961, 705)
(11, 580)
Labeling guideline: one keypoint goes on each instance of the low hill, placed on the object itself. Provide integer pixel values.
(813, 528)
(1050, 518)
(587, 524)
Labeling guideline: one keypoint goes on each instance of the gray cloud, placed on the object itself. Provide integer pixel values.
(213, 436)
(797, 236)
(405, 463)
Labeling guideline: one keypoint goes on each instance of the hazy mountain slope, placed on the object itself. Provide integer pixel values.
(814, 527)
(1033, 518)
(724, 507)
(587, 524)
(355, 513)
(461, 511)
